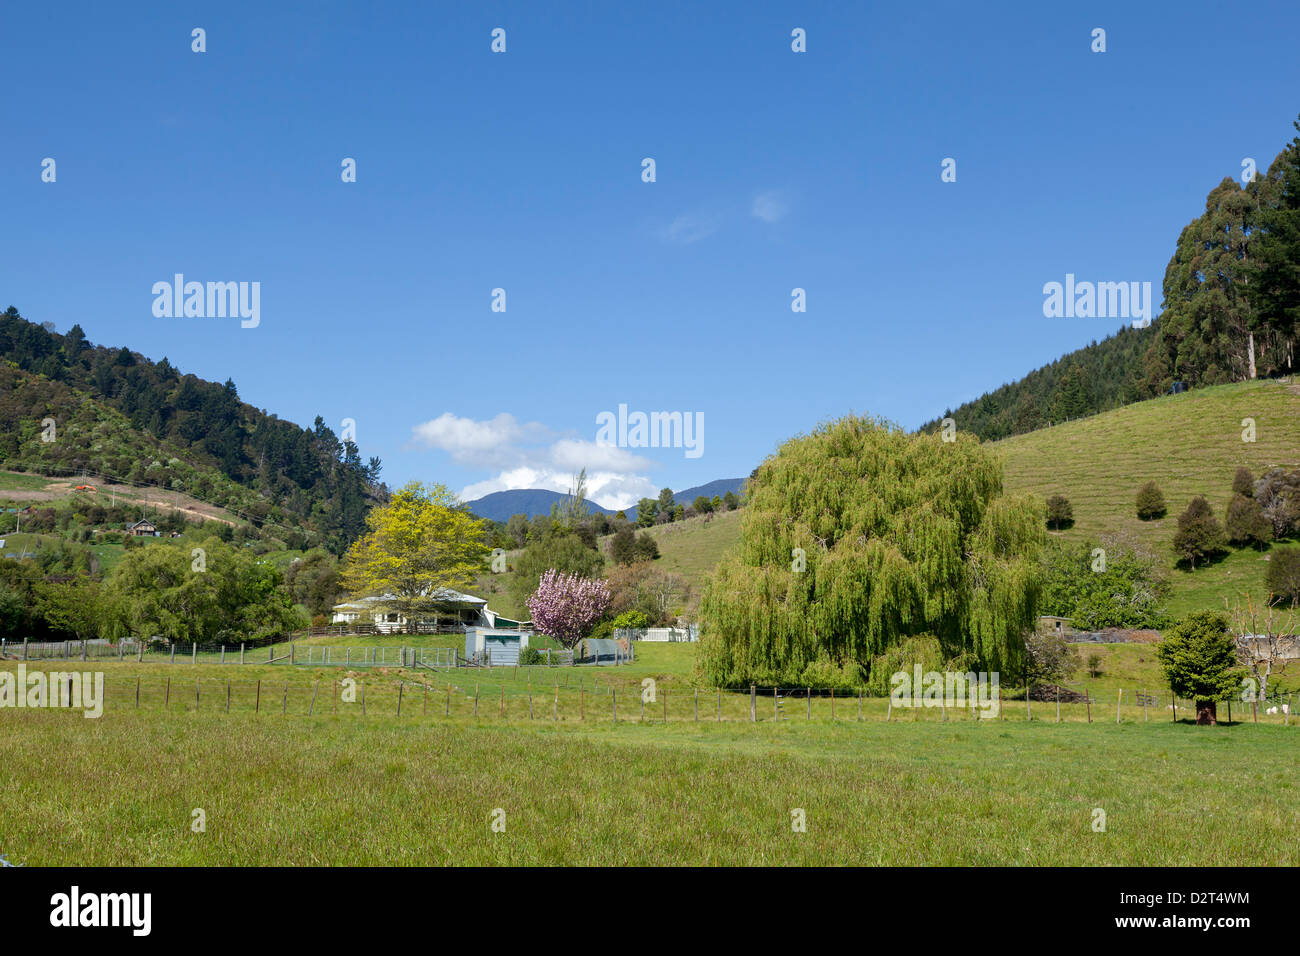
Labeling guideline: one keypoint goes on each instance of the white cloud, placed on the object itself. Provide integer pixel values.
(770, 206)
(530, 455)
(689, 228)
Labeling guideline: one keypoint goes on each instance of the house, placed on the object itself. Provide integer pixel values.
(144, 528)
(453, 611)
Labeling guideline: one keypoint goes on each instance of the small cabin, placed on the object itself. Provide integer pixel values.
(144, 528)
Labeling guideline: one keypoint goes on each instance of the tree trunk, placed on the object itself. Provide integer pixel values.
(1206, 714)
(1250, 344)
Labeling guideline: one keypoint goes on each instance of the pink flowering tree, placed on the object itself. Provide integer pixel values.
(565, 606)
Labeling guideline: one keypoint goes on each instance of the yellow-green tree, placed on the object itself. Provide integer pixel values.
(419, 545)
(859, 537)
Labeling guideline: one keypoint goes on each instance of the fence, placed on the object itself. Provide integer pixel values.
(574, 694)
(688, 634)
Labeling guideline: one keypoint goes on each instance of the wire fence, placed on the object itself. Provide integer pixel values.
(522, 693)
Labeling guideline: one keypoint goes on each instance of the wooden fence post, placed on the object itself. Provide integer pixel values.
(476, 700)
(284, 703)
(1119, 700)
(241, 653)
(171, 659)
(697, 705)
(194, 652)
(137, 690)
(140, 653)
(555, 707)
(582, 701)
(227, 695)
(1087, 697)
(753, 703)
(25, 648)
(613, 700)
(1058, 703)
(83, 651)
(312, 709)
(167, 694)
(447, 709)
(196, 693)
(400, 685)
(257, 704)
(363, 698)
(223, 653)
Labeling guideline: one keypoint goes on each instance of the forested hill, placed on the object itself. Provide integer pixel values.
(120, 414)
(1097, 378)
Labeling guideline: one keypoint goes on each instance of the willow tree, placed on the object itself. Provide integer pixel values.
(860, 536)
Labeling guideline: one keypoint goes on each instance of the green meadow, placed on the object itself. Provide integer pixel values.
(414, 767)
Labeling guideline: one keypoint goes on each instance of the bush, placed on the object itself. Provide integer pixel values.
(1278, 493)
(1245, 523)
(1243, 482)
(1059, 513)
(633, 620)
(1199, 535)
(647, 549)
(530, 655)
(1150, 502)
(1282, 579)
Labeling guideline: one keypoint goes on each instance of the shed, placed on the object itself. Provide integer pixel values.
(494, 645)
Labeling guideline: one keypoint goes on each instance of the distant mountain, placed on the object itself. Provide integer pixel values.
(500, 505)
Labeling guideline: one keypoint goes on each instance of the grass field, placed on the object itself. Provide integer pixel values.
(280, 786)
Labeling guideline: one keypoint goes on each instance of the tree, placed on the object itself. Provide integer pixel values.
(1245, 523)
(702, 505)
(1243, 482)
(622, 549)
(420, 545)
(1282, 579)
(1071, 400)
(1051, 658)
(1278, 494)
(1059, 512)
(1272, 277)
(1123, 587)
(1265, 641)
(573, 510)
(1199, 660)
(666, 502)
(557, 549)
(1150, 502)
(647, 548)
(858, 536)
(731, 501)
(647, 510)
(565, 606)
(517, 528)
(222, 594)
(1199, 535)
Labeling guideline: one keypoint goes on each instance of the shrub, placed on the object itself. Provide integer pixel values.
(1282, 579)
(1199, 535)
(1150, 502)
(1278, 493)
(647, 549)
(1245, 523)
(530, 655)
(634, 620)
(1059, 513)
(1243, 482)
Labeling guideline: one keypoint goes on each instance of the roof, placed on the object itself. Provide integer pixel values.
(444, 595)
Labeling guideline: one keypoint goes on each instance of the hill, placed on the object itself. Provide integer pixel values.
(118, 414)
(1190, 444)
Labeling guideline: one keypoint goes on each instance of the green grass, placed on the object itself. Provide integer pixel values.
(1190, 444)
(14, 481)
(693, 548)
(342, 788)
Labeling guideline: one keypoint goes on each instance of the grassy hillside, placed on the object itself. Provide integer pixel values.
(1190, 444)
(692, 548)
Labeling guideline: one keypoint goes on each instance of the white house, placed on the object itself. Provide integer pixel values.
(454, 611)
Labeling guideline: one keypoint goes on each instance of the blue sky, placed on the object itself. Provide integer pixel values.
(522, 171)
